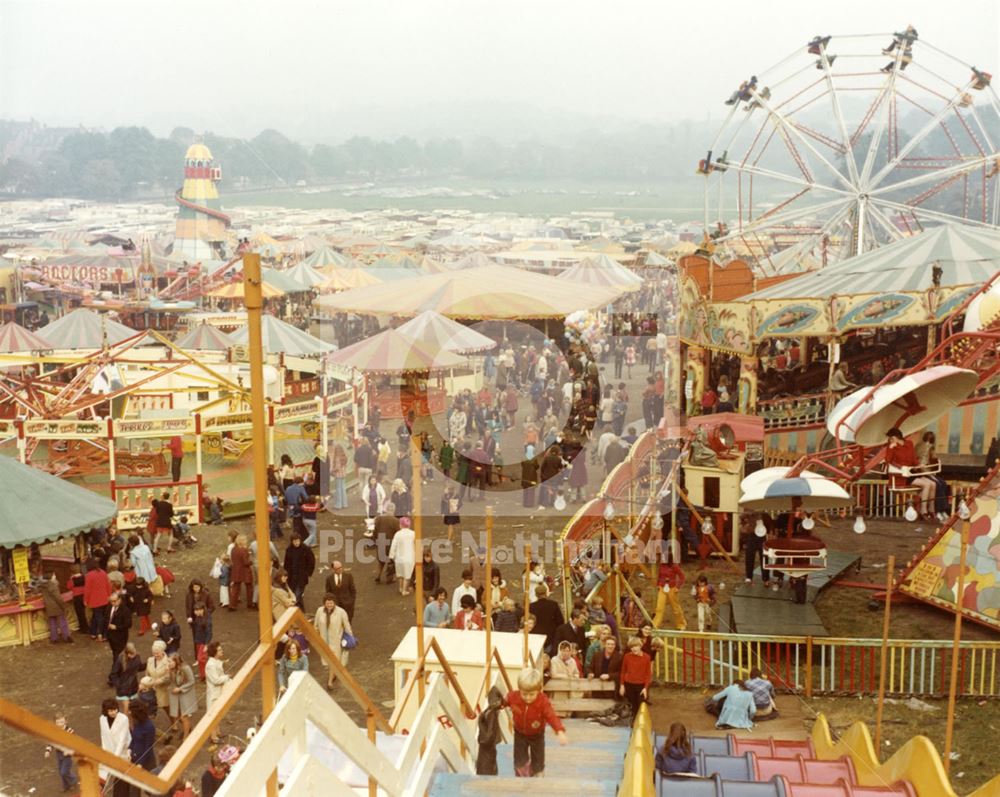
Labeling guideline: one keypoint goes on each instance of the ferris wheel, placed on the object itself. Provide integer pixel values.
(849, 143)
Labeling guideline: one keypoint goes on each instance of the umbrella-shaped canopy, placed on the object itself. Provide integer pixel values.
(313, 243)
(656, 259)
(604, 271)
(66, 507)
(966, 255)
(280, 280)
(495, 292)
(84, 329)
(382, 250)
(236, 290)
(205, 337)
(444, 333)
(391, 352)
(15, 338)
(277, 336)
(771, 490)
(910, 404)
(326, 256)
(389, 270)
(306, 276)
(343, 279)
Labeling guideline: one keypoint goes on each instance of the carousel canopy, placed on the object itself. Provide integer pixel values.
(326, 256)
(237, 290)
(389, 270)
(306, 276)
(65, 507)
(444, 333)
(84, 329)
(602, 271)
(391, 352)
(205, 337)
(966, 255)
(281, 280)
(495, 292)
(15, 338)
(473, 260)
(277, 336)
(656, 259)
(342, 279)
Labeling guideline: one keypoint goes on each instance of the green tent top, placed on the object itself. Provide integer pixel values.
(36, 506)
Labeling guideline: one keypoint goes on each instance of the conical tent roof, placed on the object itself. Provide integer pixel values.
(306, 276)
(68, 508)
(15, 338)
(205, 337)
(342, 279)
(473, 260)
(281, 280)
(444, 333)
(602, 270)
(277, 336)
(326, 256)
(391, 352)
(656, 259)
(494, 291)
(966, 255)
(84, 329)
(431, 266)
(388, 270)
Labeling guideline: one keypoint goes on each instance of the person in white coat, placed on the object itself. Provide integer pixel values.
(332, 621)
(403, 553)
(115, 738)
(215, 677)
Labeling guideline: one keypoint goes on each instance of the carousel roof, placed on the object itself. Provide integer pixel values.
(966, 255)
(342, 279)
(281, 280)
(205, 337)
(389, 270)
(84, 329)
(277, 336)
(326, 256)
(236, 290)
(15, 338)
(603, 271)
(654, 258)
(495, 292)
(305, 275)
(444, 333)
(68, 508)
(392, 352)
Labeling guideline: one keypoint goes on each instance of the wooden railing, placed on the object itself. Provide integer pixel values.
(827, 665)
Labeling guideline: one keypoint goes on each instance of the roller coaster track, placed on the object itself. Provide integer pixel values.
(216, 214)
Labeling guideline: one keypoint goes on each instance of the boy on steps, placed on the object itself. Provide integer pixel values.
(531, 711)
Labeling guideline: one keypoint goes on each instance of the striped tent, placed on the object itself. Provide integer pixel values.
(443, 333)
(277, 336)
(391, 352)
(15, 338)
(654, 258)
(342, 279)
(205, 337)
(326, 256)
(966, 255)
(431, 266)
(474, 260)
(306, 276)
(604, 271)
(389, 270)
(280, 280)
(84, 329)
(496, 292)
(235, 290)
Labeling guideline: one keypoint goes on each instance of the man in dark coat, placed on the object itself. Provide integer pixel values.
(548, 615)
(300, 562)
(119, 624)
(341, 585)
(551, 466)
(386, 526)
(572, 632)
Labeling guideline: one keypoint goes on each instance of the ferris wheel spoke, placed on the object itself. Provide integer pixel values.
(933, 215)
(790, 215)
(936, 175)
(884, 221)
(884, 100)
(852, 167)
(792, 130)
(920, 136)
(759, 171)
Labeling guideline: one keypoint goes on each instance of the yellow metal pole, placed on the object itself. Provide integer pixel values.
(254, 305)
(949, 728)
(889, 584)
(416, 518)
(488, 592)
(527, 598)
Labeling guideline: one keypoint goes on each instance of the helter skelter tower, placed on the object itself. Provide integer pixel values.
(201, 225)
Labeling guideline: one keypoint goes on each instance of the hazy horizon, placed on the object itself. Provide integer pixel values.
(322, 72)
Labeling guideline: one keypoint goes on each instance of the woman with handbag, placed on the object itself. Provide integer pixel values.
(334, 626)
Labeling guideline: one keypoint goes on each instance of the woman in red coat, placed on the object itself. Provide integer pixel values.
(96, 597)
(899, 455)
(241, 573)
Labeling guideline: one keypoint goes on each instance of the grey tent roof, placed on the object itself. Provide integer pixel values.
(966, 255)
(441, 332)
(205, 337)
(277, 336)
(84, 329)
(36, 506)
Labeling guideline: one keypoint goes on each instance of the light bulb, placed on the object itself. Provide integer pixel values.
(963, 510)
(629, 540)
(910, 514)
(609, 511)
(707, 526)
(657, 521)
(808, 523)
(760, 529)
(859, 525)
(560, 503)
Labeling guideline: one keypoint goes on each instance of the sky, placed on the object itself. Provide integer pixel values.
(322, 71)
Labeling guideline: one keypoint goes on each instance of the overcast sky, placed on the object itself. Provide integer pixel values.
(326, 70)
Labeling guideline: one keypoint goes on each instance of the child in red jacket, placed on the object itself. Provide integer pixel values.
(636, 675)
(531, 711)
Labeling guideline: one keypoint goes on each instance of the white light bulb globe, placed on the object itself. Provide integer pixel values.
(963, 510)
(657, 521)
(609, 511)
(910, 514)
(760, 529)
(808, 523)
(859, 525)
